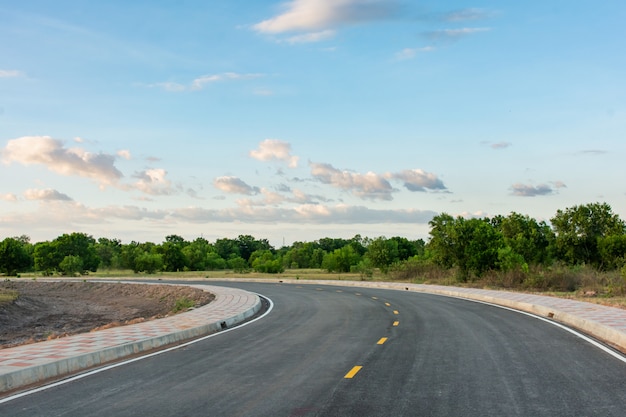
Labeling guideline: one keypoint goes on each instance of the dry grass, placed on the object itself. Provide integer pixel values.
(7, 296)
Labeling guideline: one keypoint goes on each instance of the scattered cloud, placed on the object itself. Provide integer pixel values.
(46, 195)
(8, 197)
(498, 145)
(153, 182)
(200, 83)
(367, 186)
(318, 19)
(234, 185)
(274, 149)
(410, 53)
(312, 37)
(523, 190)
(468, 14)
(451, 35)
(10, 73)
(123, 153)
(418, 180)
(52, 153)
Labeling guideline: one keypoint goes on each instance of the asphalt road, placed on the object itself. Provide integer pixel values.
(329, 351)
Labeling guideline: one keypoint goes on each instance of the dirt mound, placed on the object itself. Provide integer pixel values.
(47, 310)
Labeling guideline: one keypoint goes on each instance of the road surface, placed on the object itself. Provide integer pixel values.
(345, 351)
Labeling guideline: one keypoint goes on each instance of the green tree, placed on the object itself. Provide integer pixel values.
(579, 228)
(472, 245)
(341, 260)
(173, 256)
(77, 244)
(71, 265)
(196, 254)
(526, 237)
(109, 251)
(612, 250)
(14, 256)
(149, 263)
(265, 261)
(383, 253)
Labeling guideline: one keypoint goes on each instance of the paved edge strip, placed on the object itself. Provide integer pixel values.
(600, 331)
(64, 367)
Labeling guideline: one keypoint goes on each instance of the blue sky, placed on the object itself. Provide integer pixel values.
(305, 119)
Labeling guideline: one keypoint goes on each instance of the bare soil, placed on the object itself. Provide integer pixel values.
(48, 310)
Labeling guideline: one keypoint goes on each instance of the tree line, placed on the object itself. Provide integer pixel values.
(588, 234)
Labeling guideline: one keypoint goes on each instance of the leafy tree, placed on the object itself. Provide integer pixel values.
(472, 245)
(214, 262)
(248, 244)
(265, 261)
(526, 237)
(109, 251)
(14, 256)
(226, 248)
(149, 263)
(196, 254)
(612, 250)
(341, 260)
(579, 228)
(45, 259)
(173, 257)
(71, 265)
(383, 252)
(238, 264)
(76, 244)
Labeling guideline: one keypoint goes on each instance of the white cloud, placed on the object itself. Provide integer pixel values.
(367, 186)
(454, 34)
(468, 14)
(154, 182)
(47, 195)
(418, 180)
(8, 197)
(123, 153)
(43, 150)
(201, 82)
(410, 53)
(318, 18)
(312, 37)
(271, 149)
(10, 73)
(234, 185)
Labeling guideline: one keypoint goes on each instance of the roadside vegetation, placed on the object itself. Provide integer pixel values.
(581, 252)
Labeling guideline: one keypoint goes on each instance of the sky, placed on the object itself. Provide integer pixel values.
(298, 120)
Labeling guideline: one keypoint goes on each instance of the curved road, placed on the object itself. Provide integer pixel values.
(331, 351)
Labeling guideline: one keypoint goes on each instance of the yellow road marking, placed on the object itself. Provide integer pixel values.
(388, 305)
(395, 312)
(395, 323)
(358, 293)
(374, 298)
(353, 372)
(320, 289)
(382, 340)
(339, 291)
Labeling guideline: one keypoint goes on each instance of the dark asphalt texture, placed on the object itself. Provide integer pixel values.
(446, 357)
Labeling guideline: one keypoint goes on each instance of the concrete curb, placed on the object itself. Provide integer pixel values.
(211, 314)
(537, 304)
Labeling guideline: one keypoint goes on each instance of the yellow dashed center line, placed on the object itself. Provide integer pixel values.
(395, 312)
(353, 372)
(396, 323)
(358, 293)
(388, 305)
(381, 341)
(339, 291)
(374, 298)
